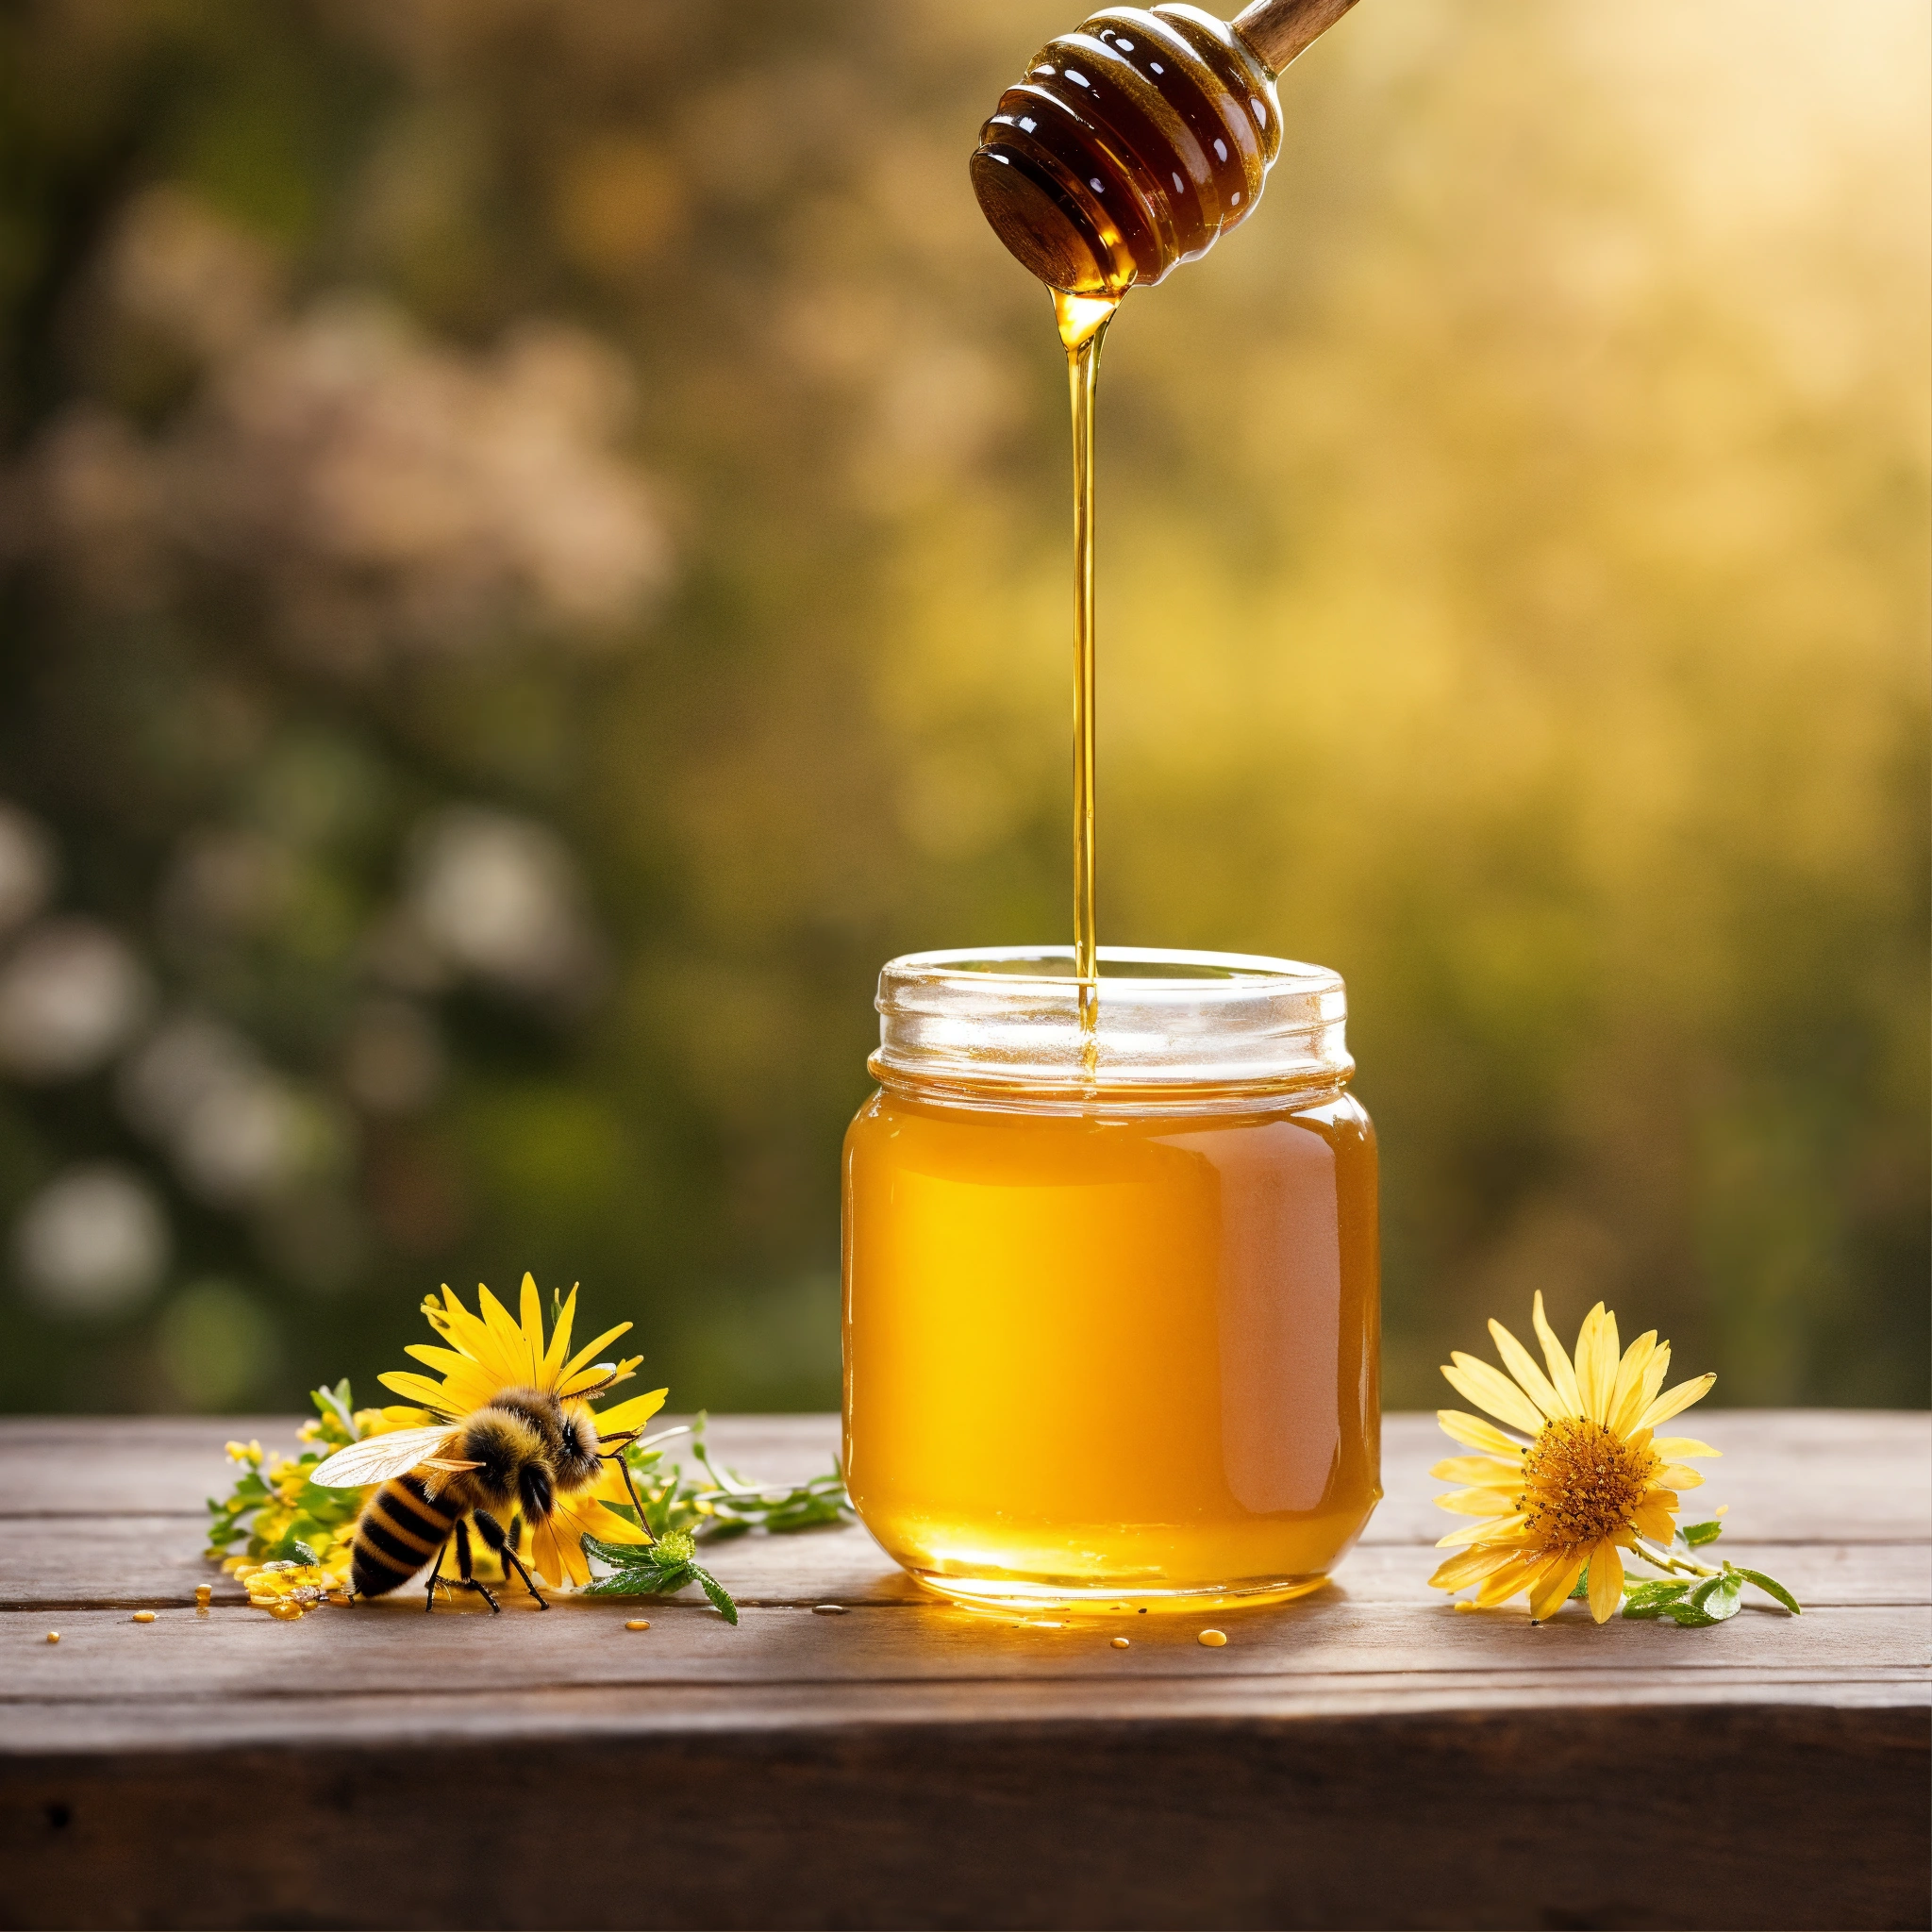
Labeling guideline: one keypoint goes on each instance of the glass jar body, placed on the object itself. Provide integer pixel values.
(1121, 1356)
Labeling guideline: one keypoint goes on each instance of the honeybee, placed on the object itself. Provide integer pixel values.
(502, 1467)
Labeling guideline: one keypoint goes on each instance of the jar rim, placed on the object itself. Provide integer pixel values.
(1162, 1021)
(1150, 968)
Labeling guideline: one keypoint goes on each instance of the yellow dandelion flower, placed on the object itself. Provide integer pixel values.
(1576, 1474)
(484, 1354)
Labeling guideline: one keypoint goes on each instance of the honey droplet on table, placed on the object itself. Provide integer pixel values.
(53, 1637)
(1214, 1640)
(637, 1623)
(1118, 1642)
(286, 1612)
(143, 1616)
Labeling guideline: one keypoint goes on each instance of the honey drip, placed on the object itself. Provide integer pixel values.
(1082, 321)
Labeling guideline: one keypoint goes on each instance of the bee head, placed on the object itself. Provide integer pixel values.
(577, 1462)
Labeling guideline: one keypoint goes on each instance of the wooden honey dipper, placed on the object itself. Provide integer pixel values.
(1137, 141)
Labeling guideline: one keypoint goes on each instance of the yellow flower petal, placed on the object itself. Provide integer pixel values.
(1492, 1390)
(1628, 1398)
(1679, 1476)
(532, 1324)
(592, 1516)
(1452, 1572)
(1517, 1360)
(1674, 1401)
(1478, 1434)
(1596, 1362)
(1675, 1448)
(1653, 1517)
(560, 1342)
(633, 1414)
(1557, 1579)
(1477, 1502)
(451, 1362)
(1562, 1375)
(1499, 1529)
(1655, 1370)
(598, 1377)
(1486, 1471)
(421, 1390)
(1504, 1583)
(588, 1353)
(1606, 1581)
(504, 1351)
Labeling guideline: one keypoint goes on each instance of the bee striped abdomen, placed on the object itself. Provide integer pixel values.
(402, 1526)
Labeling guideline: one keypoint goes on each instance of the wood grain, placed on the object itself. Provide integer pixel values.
(1346, 1760)
(1280, 30)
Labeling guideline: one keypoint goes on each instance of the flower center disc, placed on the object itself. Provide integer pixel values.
(1581, 1482)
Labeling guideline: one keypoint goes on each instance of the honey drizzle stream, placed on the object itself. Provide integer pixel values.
(1082, 321)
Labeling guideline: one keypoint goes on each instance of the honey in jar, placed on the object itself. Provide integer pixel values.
(1110, 1280)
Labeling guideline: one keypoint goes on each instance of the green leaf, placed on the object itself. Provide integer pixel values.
(336, 1400)
(1694, 1534)
(1770, 1587)
(1581, 1593)
(1688, 1616)
(1649, 1599)
(1717, 1597)
(619, 1556)
(1659, 1586)
(303, 1553)
(638, 1583)
(721, 1597)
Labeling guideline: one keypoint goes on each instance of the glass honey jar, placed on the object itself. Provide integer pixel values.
(1112, 1306)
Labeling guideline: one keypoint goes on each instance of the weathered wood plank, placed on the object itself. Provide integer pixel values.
(1854, 1476)
(1570, 1816)
(104, 1656)
(407, 1720)
(153, 1561)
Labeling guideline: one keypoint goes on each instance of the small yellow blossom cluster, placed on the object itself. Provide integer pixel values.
(278, 1515)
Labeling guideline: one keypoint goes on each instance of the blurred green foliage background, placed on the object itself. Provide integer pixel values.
(535, 556)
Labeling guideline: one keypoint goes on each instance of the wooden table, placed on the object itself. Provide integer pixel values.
(1366, 1757)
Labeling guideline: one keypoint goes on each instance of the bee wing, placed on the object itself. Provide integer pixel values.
(381, 1457)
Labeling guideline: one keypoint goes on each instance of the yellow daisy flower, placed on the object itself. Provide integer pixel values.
(486, 1353)
(1576, 1476)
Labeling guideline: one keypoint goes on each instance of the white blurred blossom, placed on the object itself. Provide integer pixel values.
(92, 1242)
(382, 492)
(26, 867)
(71, 994)
(237, 1132)
(500, 897)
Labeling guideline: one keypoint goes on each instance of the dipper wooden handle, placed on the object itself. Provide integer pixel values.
(1277, 30)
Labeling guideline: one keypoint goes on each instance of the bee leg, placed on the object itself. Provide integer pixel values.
(466, 1570)
(637, 1501)
(505, 1543)
(434, 1576)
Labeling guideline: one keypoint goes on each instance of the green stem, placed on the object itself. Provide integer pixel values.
(1666, 1559)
